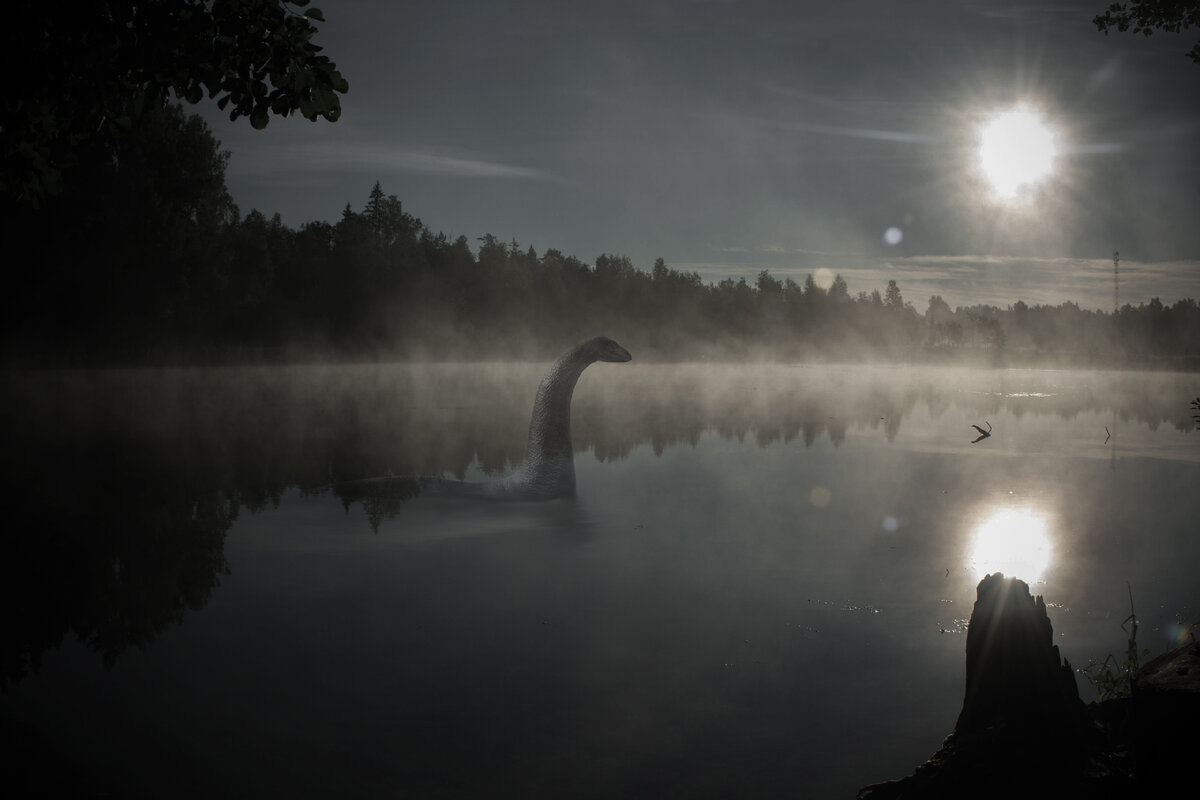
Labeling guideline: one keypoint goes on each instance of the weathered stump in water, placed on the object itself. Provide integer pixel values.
(1015, 675)
(1022, 730)
(1024, 733)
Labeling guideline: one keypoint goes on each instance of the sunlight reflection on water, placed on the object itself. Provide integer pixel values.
(748, 543)
(1013, 541)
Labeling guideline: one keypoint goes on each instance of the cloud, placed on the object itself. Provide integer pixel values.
(1002, 280)
(376, 158)
(902, 137)
(967, 280)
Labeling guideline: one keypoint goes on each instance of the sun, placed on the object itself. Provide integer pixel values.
(1017, 151)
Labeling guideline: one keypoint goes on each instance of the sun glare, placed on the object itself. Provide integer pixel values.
(1014, 542)
(1016, 151)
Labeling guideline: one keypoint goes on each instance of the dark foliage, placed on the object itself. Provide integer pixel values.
(88, 71)
(134, 252)
(1147, 16)
(144, 258)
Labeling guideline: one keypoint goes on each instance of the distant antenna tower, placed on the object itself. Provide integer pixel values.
(1116, 281)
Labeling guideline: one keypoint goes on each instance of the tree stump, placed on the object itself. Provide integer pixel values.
(1015, 675)
(1022, 730)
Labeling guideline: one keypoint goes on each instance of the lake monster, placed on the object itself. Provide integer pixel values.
(548, 470)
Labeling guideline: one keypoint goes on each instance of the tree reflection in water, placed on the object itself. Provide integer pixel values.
(123, 484)
(110, 538)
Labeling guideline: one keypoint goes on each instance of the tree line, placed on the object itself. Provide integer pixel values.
(146, 257)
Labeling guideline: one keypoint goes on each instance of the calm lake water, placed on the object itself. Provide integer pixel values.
(760, 590)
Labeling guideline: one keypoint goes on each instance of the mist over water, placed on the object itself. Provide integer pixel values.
(760, 588)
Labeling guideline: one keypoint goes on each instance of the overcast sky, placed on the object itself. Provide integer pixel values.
(728, 137)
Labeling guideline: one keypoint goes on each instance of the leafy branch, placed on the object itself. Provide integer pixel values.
(89, 71)
(1147, 16)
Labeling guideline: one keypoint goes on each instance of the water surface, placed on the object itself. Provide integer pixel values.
(761, 588)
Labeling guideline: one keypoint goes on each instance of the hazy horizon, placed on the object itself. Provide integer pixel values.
(727, 138)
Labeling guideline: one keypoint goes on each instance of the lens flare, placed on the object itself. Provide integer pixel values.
(820, 496)
(1014, 542)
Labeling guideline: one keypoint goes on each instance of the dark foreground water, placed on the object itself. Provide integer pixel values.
(760, 590)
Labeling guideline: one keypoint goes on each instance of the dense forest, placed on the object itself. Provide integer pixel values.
(144, 257)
